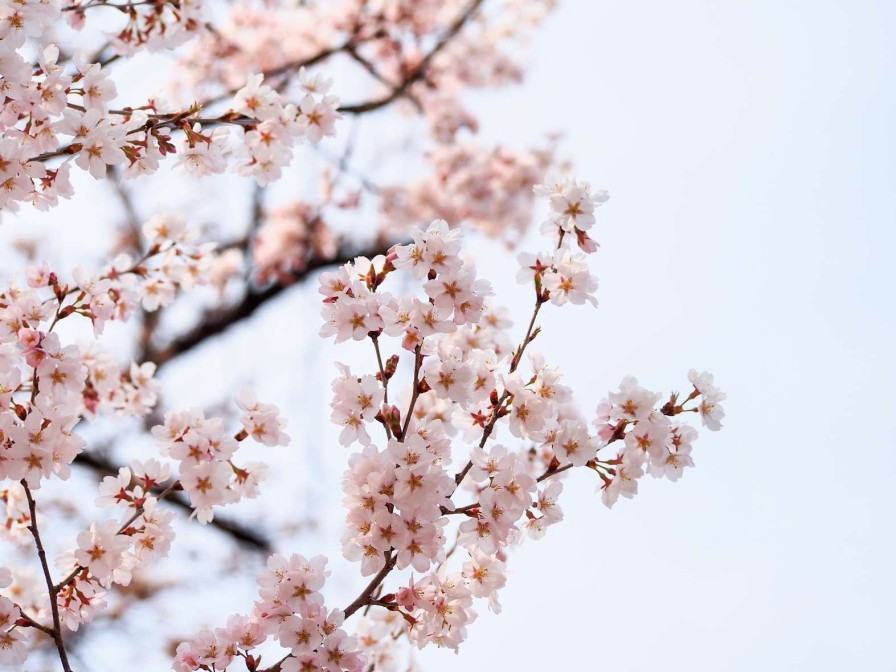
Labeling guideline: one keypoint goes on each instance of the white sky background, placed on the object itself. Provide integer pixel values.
(749, 152)
(748, 149)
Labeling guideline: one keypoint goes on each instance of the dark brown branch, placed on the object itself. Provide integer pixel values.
(31, 623)
(51, 589)
(364, 597)
(552, 472)
(461, 510)
(415, 392)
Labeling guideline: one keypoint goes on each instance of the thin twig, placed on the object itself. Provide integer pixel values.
(553, 472)
(418, 359)
(496, 410)
(379, 361)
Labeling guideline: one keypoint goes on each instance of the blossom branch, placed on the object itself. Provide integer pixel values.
(553, 471)
(383, 377)
(415, 392)
(137, 513)
(56, 631)
(27, 621)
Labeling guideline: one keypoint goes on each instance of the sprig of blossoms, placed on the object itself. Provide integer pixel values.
(13, 647)
(266, 148)
(204, 451)
(48, 116)
(46, 386)
(110, 551)
(652, 437)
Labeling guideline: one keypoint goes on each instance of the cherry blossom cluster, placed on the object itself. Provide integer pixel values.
(562, 275)
(650, 436)
(377, 633)
(150, 25)
(173, 262)
(42, 104)
(291, 610)
(46, 386)
(204, 453)
(267, 147)
(12, 641)
(47, 115)
(14, 514)
(110, 551)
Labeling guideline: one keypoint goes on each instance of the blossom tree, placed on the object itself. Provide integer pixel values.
(462, 432)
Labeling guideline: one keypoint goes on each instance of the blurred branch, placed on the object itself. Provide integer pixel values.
(215, 322)
(149, 320)
(179, 120)
(371, 69)
(419, 72)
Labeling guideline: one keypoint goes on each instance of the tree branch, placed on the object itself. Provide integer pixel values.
(362, 599)
(51, 589)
